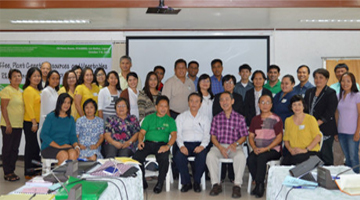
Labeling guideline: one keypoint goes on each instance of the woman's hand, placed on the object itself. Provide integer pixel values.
(258, 151)
(336, 138)
(34, 128)
(356, 137)
(8, 129)
(299, 150)
(65, 146)
(92, 147)
(82, 146)
(126, 144)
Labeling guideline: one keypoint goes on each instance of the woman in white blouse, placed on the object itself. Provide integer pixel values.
(131, 93)
(108, 95)
(204, 89)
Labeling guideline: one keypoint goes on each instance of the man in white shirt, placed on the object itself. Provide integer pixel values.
(45, 69)
(125, 66)
(193, 136)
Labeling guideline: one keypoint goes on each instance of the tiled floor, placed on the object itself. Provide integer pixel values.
(174, 194)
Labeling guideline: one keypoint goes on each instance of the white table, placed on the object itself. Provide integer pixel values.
(276, 191)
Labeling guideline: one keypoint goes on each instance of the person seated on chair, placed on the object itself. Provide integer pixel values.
(156, 129)
(193, 136)
(58, 133)
(302, 134)
(265, 136)
(228, 131)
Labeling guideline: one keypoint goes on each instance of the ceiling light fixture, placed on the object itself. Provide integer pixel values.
(63, 21)
(330, 20)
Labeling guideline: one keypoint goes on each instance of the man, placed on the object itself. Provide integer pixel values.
(273, 84)
(160, 73)
(192, 138)
(244, 84)
(339, 70)
(228, 131)
(178, 88)
(156, 129)
(125, 66)
(216, 79)
(45, 69)
(193, 70)
(303, 73)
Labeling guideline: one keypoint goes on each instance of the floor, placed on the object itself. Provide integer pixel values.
(174, 194)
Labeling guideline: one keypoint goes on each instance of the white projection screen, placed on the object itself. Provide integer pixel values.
(147, 52)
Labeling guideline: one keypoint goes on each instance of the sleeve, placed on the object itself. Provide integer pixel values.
(357, 97)
(179, 124)
(287, 129)
(78, 90)
(72, 133)
(137, 125)
(172, 125)
(252, 125)
(107, 125)
(44, 106)
(5, 94)
(307, 100)
(145, 124)
(314, 128)
(243, 132)
(78, 126)
(141, 105)
(29, 103)
(247, 108)
(45, 134)
(101, 99)
(101, 126)
(213, 129)
(167, 89)
(331, 105)
(278, 127)
(206, 134)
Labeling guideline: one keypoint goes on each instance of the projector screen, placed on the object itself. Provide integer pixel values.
(147, 52)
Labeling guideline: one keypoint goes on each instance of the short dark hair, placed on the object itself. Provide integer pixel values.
(125, 57)
(29, 73)
(264, 95)
(90, 101)
(274, 67)
(193, 62)
(215, 61)
(179, 61)
(195, 94)
(301, 66)
(323, 72)
(226, 92)
(245, 66)
(82, 75)
(76, 67)
(117, 77)
(159, 67)
(48, 77)
(131, 74)
(160, 98)
(228, 77)
(353, 88)
(341, 65)
(296, 98)
(258, 72)
(60, 101)
(122, 99)
(292, 80)
(11, 71)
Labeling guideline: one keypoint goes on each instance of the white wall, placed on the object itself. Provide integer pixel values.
(288, 49)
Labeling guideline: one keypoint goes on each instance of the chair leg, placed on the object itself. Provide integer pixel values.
(249, 184)
(179, 185)
(168, 178)
(203, 182)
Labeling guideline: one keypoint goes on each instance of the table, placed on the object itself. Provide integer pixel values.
(275, 190)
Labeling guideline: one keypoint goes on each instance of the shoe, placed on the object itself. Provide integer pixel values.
(197, 187)
(216, 189)
(260, 192)
(158, 187)
(186, 187)
(255, 190)
(236, 193)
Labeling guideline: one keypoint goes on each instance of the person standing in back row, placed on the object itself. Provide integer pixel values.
(125, 66)
(216, 79)
(273, 84)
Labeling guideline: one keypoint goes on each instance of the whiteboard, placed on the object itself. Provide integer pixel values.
(147, 52)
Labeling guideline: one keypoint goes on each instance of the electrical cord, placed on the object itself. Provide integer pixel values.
(288, 193)
(279, 192)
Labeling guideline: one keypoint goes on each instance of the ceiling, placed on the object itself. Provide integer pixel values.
(187, 19)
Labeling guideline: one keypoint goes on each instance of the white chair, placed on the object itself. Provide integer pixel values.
(203, 183)
(46, 164)
(169, 178)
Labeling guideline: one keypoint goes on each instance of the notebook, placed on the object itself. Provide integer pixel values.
(349, 184)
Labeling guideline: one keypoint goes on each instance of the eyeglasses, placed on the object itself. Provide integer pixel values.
(121, 106)
(229, 82)
(265, 102)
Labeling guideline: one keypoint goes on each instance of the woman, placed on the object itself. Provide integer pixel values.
(322, 102)
(204, 89)
(282, 99)
(265, 138)
(86, 89)
(32, 89)
(12, 111)
(77, 69)
(131, 93)
(147, 97)
(252, 96)
(302, 135)
(121, 131)
(100, 77)
(347, 117)
(69, 85)
(58, 134)
(89, 130)
(49, 95)
(108, 95)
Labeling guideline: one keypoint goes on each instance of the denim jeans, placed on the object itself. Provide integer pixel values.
(350, 149)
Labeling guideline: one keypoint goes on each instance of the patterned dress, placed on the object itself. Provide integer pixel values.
(89, 132)
(122, 130)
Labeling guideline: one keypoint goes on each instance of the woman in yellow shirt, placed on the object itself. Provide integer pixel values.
(302, 134)
(69, 85)
(32, 89)
(12, 111)
(87, 89)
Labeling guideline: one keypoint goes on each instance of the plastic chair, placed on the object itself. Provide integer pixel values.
(46, 164)
(169, 178)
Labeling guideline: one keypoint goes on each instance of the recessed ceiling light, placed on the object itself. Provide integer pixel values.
(70, 21)
(330, 20)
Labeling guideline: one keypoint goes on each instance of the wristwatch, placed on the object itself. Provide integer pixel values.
(237, 144)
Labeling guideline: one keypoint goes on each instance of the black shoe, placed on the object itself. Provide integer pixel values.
(216, 190)
(255, 190)
(158, 187)
(186, 187)
(260, 192)
(236, 192)
(197, 187)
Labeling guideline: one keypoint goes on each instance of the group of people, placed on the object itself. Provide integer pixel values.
(98, 114)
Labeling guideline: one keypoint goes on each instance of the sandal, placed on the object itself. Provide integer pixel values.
(11, 177)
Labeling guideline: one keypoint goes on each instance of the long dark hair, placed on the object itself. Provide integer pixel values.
(65, 80)
(117, 77)
(60, 101)
(147, 85)
(29, 73)
(48, 77)
(97, 70)
(81, 79)
(353, 88)
(203, 77)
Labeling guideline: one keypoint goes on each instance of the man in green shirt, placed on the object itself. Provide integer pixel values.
(156, 129)
(273, 84)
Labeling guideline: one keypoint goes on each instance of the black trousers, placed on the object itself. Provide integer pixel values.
(299, 158)
(111, 151)
(32, 149)
(327, 151)
(257, 164)
(10, 149)
(161, 158)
